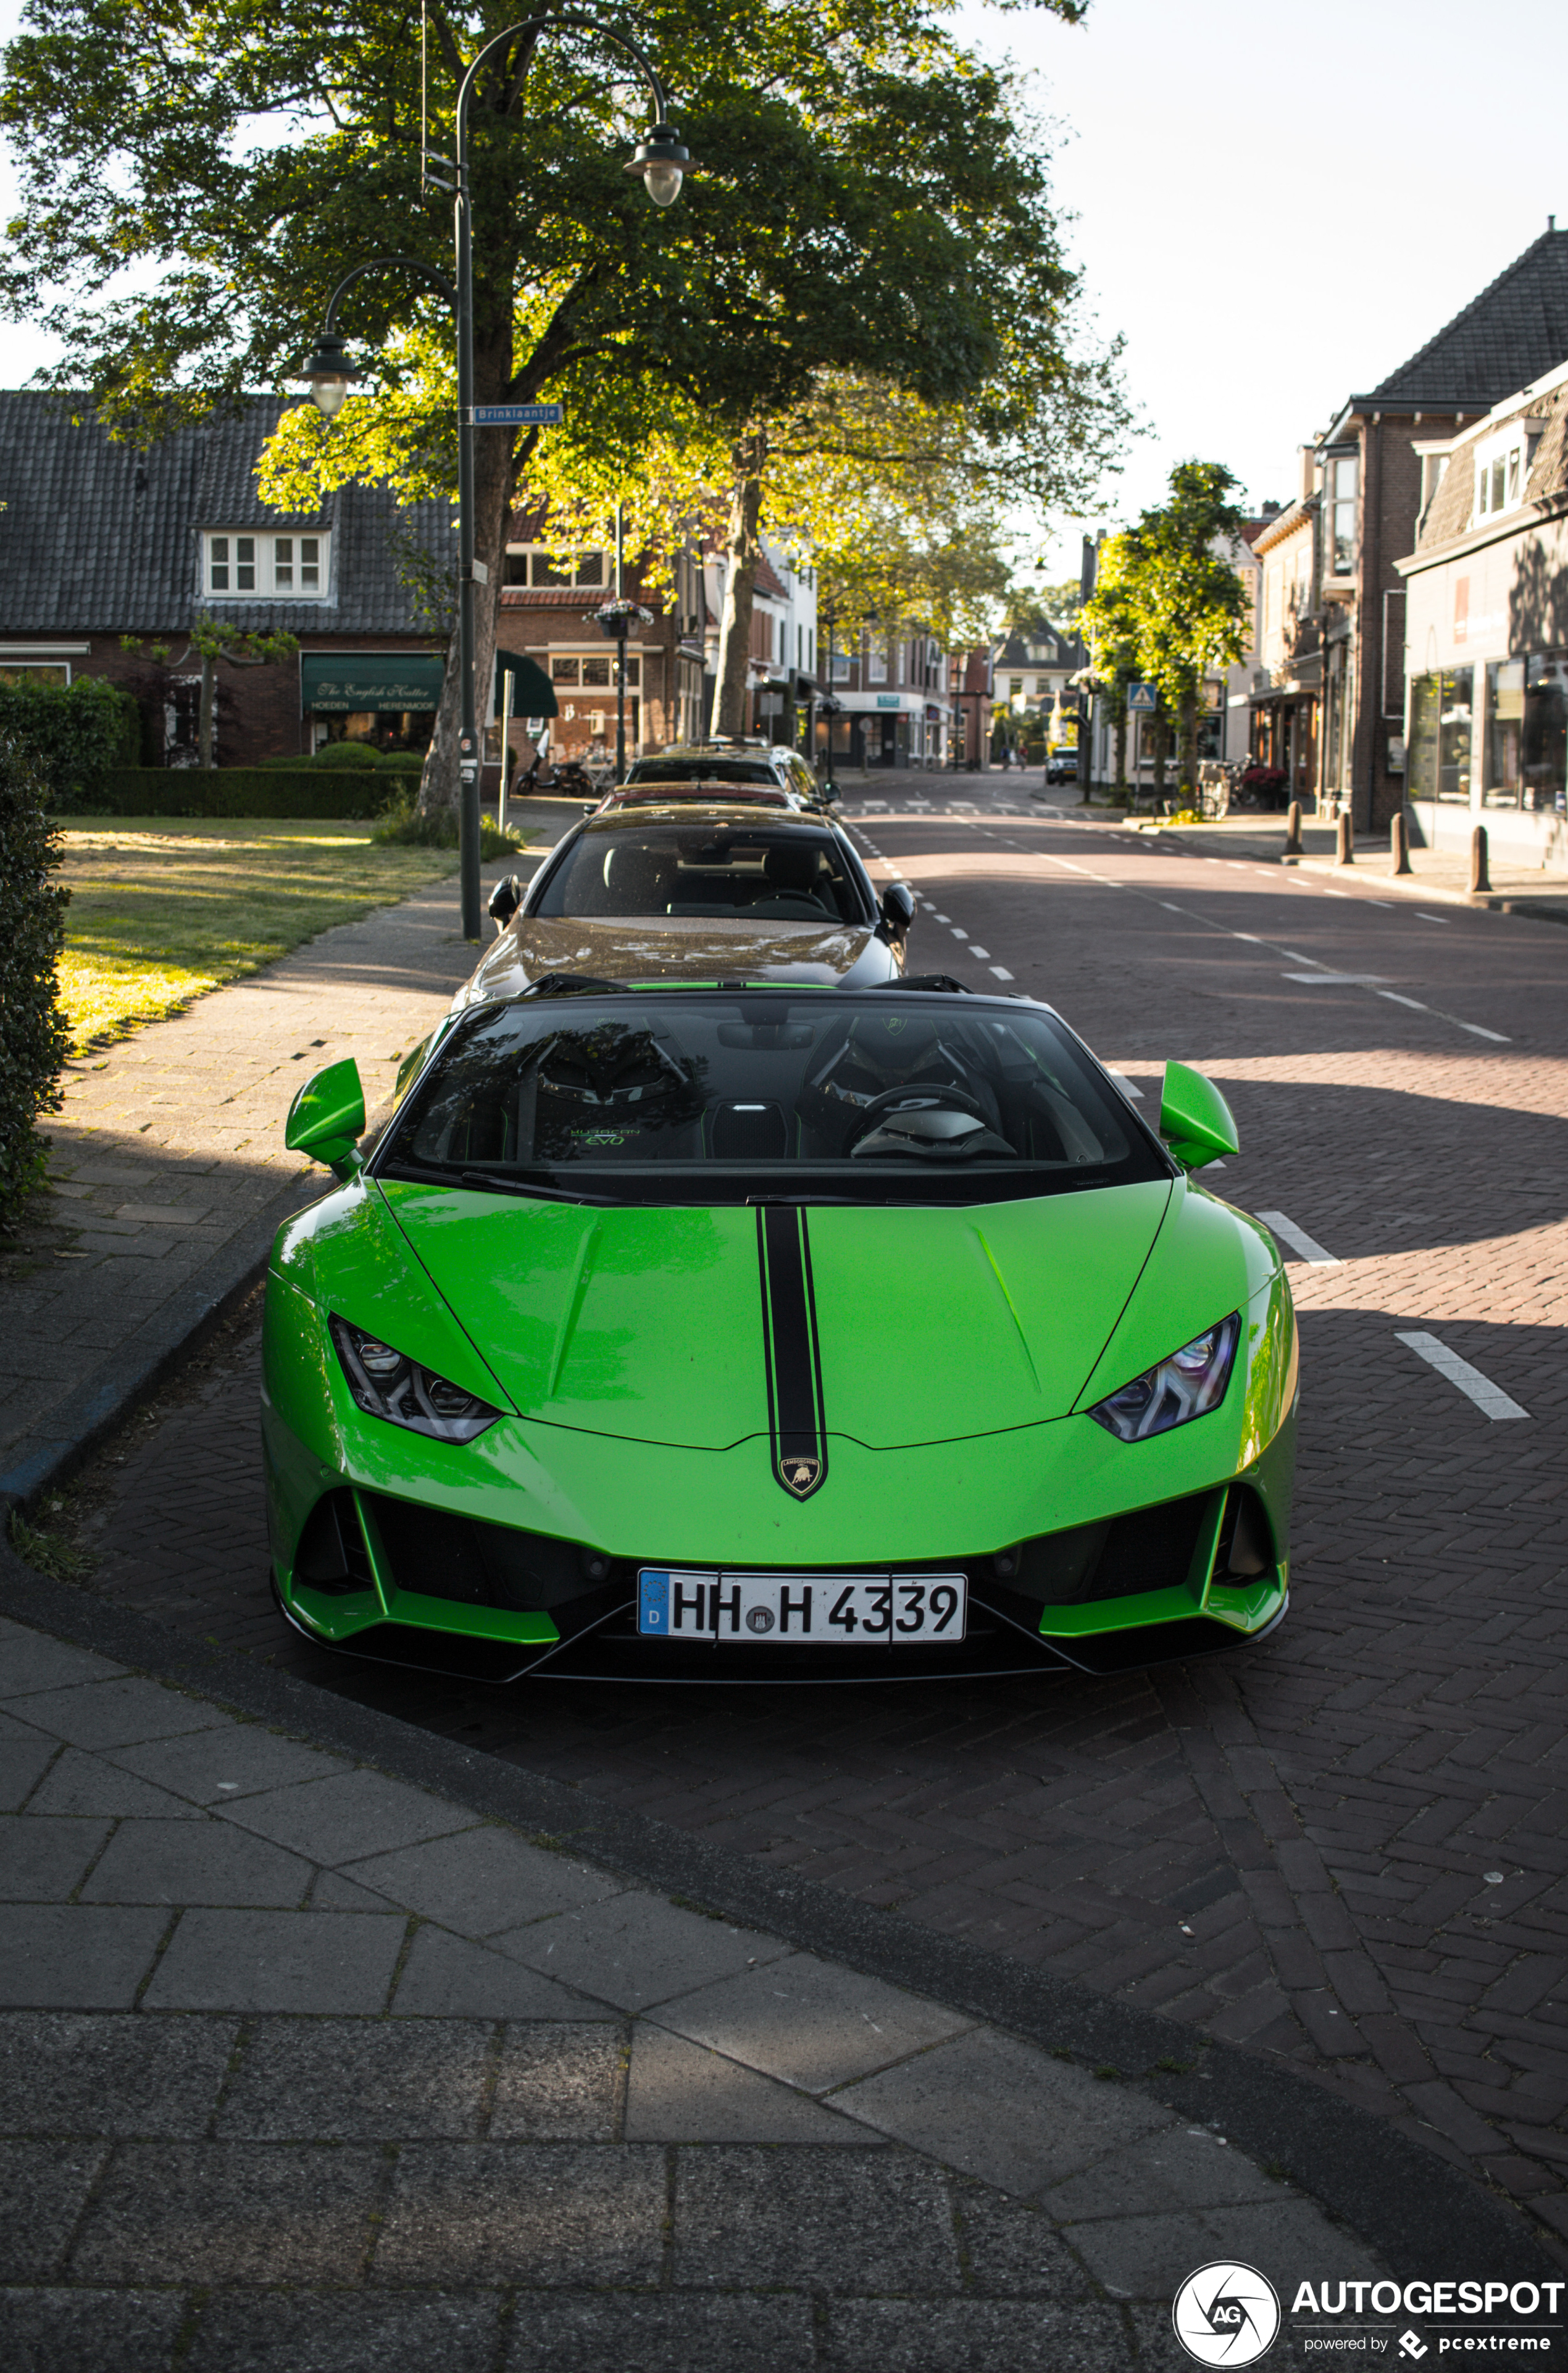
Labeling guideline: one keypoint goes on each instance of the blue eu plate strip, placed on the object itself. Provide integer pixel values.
(653, 1601)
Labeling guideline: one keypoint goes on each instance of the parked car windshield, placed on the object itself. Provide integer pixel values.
(703, 769)
(707, 1095)
(756, 870)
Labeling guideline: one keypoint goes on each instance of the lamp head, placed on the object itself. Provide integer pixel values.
(330, 374)
(661, 164)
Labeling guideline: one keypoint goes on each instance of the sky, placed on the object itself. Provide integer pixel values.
(1273, 206)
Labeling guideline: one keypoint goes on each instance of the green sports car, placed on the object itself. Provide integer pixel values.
(773, 1331)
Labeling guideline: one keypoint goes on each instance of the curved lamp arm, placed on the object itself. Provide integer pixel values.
(656, 91)
(437, 280)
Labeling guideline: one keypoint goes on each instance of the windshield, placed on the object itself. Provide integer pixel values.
(714, 1096)
(760, 871)
(700, 768)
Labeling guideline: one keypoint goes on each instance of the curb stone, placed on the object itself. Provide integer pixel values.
(1418, 2212)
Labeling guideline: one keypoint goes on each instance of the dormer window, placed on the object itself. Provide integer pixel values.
(1500, 476)
(250, 567)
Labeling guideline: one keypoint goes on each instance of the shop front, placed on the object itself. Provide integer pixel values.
(388, 698)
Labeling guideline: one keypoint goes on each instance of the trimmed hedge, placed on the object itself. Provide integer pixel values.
(75, 734)
(247, 791)
(34, 1034)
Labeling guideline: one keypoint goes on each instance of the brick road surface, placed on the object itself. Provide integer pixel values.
(1347, 1848)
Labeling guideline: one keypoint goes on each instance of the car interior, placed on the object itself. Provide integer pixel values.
(734, 871)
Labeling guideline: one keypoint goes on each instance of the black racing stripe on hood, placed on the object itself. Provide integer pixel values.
(797, 1423)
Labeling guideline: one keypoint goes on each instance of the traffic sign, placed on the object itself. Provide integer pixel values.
(516, 415)
(1142, 697)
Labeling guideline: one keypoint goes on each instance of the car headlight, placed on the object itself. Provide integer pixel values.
(388, 1384)
(1187, 1384)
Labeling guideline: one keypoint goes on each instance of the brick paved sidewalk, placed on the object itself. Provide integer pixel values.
(168, 1173)
(300, 2063)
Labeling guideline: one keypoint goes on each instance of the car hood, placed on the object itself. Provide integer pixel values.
(649, 1325)
(679, 948)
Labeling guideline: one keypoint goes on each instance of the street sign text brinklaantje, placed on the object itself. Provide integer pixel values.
(516, 415)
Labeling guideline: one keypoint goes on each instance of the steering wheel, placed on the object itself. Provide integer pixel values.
(891, 1098)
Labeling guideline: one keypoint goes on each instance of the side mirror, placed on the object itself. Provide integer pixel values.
(1196, 1121)
(326, 1119)
(505, 900)
(897, 909)
(590, 807)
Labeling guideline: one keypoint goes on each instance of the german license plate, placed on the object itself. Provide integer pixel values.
(811, 1610)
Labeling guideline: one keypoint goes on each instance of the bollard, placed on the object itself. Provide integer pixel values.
(1399, 844)
(1344, 850)
(1293, 829)
(1480, 878)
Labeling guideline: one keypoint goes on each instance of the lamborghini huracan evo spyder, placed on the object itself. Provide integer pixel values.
(773, 1331)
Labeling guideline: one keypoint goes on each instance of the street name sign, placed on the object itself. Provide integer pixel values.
(516, 415)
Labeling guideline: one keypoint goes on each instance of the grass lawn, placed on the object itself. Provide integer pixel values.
(164, 909)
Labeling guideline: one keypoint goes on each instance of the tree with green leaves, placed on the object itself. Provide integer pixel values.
(1111, 621)
(869, 199)
(1187, 603)
(212, 639)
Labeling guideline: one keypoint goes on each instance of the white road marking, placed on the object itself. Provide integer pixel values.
(1251, 936)
(1334, 894)
(957, 933)
(1170, 909)
(1338, 979)
(1413, 1002)
(984, 954)
(1002, 971)
(1424, 917)
(1489, 1398)
(941, 918)
(1296, 957)
(1381, 902)
(1307, 1246)
(1476, 1031)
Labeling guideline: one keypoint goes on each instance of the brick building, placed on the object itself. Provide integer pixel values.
(1369, 483)
(101, 541)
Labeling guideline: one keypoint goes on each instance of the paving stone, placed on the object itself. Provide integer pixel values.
(973, 2336)
(833, 2025)
(212, 1767)
(269, 2332)
(43, 2188)
(30, 1662)
(828, 2220)
(651, 2334)
(84, 1784)
(23, 1763)
(1174, 2169)
(1147, 2257)
(118, 2075)
(357, 2080)
(75, 1957)
(680, 2092)
(334, 1892)
(1001, 2110)
(42, 1862)
(637, 1949)
(1012, 2247)
(347, 1816)
(277, 1961)
(119, 1712)
(89, 2332)
(542, 2214)
(448, 1977)
(215, 2213)
(482, 1881)
(200, 1862)
(559, 2083)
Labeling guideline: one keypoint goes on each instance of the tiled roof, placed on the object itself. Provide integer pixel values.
(770, 582)
(1451, 514)
(1059, 650)
(103, 538)
(1512, 332)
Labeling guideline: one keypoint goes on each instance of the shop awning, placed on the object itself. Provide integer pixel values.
(533, 695)
(335, 684)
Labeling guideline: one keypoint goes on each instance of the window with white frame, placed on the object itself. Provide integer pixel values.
(877, 660)
(540, 564)
(592, 669)
(250, 567)
(1499, 472)
(1342, 476)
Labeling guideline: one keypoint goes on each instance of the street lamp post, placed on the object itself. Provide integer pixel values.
(661, 164)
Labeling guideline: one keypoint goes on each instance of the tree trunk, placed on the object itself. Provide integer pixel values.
(1121, 747)
(1162, 747)
(205, 730)
(1188, 765)
(732, 689)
